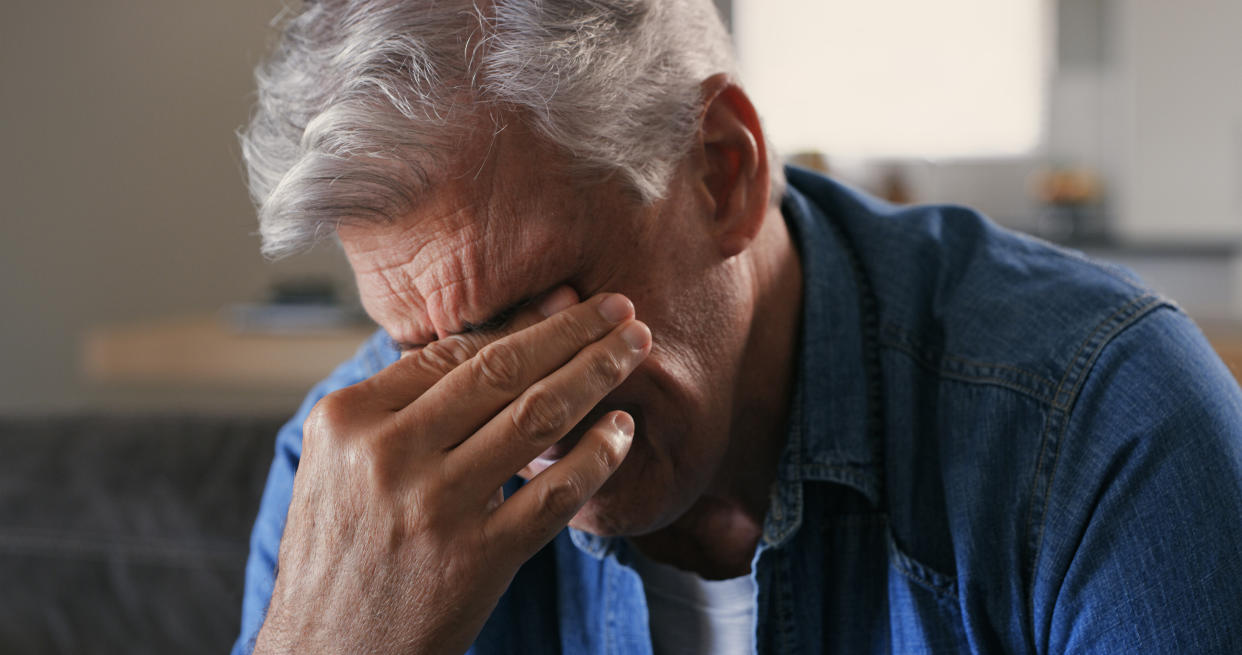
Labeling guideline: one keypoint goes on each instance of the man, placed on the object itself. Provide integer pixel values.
(784, 420)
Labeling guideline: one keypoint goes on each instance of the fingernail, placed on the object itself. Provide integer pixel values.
(636, 335)
(561, 299)
(624, 424)
(615, 308)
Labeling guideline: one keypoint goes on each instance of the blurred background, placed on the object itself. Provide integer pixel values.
(124, 204)
(148, 352)
(1113, 126)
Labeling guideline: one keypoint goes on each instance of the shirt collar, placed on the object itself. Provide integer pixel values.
(832, 436)
(832, 433)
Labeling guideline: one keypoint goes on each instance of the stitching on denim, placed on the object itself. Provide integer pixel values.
(1020, 379)
(788, 631)
(969, 370)
(785, 524)
(915, 571)
(1078, 360)
(1054, 425)
(610, 619)
(946, 589)
(780, 524)
(1058, 420)
(995, 381)
(858, 476)
(869, 332)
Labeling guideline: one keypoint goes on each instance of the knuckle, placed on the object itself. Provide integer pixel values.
(607, 369)
(540, 414)
(499, 365)
(571, 330)
(334, 423)
(329, 415)
(444, 355)
(561, 497)
(608, 457)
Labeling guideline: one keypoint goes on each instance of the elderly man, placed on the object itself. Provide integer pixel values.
(775, 415)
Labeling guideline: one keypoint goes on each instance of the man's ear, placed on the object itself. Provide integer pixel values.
(734, 172)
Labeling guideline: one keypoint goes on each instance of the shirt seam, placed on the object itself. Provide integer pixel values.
(963, 369)
(1076, 372)
(934, 581)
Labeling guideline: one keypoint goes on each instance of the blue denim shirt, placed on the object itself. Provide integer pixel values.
(995, 445)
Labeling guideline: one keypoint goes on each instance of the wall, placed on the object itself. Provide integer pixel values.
(122, 183)
(124, 197)
(123, 189)
(1181, 102)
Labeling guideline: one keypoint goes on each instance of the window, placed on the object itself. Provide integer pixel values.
(897, 78)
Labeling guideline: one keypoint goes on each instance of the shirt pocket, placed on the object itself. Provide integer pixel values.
(924, 613)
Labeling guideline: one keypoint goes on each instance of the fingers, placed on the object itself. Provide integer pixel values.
(472, 394)
(415, 372)
(541, 508)
(548, 409)
(560, 299)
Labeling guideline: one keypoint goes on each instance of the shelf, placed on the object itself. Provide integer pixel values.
(204, 351)
(1226, 339)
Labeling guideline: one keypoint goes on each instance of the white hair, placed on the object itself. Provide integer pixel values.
(360, 97)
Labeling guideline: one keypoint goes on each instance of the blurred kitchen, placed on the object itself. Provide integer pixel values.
(132, 279)
(1109, 126)
(148, 352)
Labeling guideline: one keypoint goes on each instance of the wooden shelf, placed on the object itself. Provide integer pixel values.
(203, 351)
(1226, 338)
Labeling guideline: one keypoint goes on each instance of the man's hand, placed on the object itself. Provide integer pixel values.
(397, 537)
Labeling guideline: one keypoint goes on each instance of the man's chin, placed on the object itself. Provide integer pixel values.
(613, 513)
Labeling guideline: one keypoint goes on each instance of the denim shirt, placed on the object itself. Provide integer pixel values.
(995, 445)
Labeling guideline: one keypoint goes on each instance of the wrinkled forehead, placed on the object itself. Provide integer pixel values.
(424, 277)
(477, 243)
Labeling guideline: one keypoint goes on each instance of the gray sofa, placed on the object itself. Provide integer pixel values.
(126, 534)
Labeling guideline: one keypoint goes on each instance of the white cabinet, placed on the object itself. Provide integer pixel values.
(1179, 67)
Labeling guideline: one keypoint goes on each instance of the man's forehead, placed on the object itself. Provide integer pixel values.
(480, 243)
(424, 281)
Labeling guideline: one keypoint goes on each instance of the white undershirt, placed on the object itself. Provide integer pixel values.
(690, 615)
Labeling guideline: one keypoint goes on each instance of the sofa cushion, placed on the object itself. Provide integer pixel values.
(127, 534)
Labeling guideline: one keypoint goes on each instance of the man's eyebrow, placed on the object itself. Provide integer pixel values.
(497, 322)
(493, 324)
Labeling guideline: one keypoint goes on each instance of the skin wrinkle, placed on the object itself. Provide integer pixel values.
(421, 274)
(460, 299)
(686, 490)
(376, 298)
(447, 285)
(446, 309)
(497, 278)
(704, 399)
(588, 187)
(478, 233)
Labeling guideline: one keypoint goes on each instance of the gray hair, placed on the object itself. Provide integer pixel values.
(361, 96)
